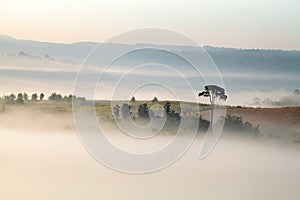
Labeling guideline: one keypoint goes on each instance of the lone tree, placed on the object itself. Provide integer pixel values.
(42, 96)
(213, 92)
(154, 100)
(133, 99)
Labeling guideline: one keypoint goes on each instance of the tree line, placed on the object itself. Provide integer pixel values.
(21, 98)
(232, 123)
(125, 111)
(173, 118)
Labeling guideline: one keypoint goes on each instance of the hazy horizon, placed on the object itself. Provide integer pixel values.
(155, 44)
(244, 24)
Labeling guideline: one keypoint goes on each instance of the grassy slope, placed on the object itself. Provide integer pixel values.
(273, 121)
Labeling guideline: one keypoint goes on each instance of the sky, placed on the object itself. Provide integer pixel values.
(268, 24)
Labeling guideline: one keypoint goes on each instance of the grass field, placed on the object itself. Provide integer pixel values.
(101, 107)
(273, 122)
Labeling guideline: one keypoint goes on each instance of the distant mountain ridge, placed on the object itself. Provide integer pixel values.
(247, 73)
(227, 59)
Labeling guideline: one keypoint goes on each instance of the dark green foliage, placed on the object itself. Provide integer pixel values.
(143, 110)
(34, 97)
(42, 96)
(70, 98)
(133, 99)
(171, 114)
(167, 107)
(6, 99)
(20, 99)
(12, 97)
(236, 124)
(296, 92)
(55, 97)
(173, 118)
(203, 123)
(116, 112)
(9, 99)
(25, 96)
(154, 100)
(213, 91)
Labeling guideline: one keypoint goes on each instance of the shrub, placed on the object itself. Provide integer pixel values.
(143, 110)
(236, 124)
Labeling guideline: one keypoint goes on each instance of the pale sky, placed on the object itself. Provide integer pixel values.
(231, 23)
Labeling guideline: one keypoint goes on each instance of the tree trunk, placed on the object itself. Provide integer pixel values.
(212, 102)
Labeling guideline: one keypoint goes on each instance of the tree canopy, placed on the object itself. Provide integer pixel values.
(213, 91)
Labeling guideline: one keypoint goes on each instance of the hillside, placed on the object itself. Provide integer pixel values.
(273, 122)
(227, 59)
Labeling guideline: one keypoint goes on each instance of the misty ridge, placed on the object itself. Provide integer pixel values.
(290, 100)
(226, 58)
(269, 74)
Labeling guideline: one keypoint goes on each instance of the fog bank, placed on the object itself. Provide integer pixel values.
(44, 163)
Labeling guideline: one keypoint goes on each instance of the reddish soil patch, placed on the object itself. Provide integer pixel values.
(271, 120)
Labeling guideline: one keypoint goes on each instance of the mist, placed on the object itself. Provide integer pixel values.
(30, 66)
(42, 158)
(26, 78)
